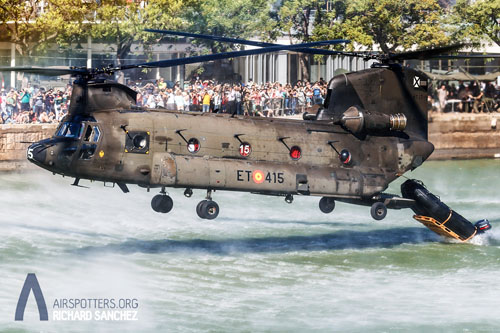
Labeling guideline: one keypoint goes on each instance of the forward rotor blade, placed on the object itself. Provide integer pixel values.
(226, 55)
(211, 37)
(46, 71)
(238, 41)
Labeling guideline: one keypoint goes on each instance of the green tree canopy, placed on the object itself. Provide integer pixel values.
(32, 27)
(474, 20)
(122, 22)
(391, 24)
(228, 18)
(294, 18)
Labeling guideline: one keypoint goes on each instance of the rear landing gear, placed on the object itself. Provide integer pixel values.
(326, 205)
(378, 211)
(208, 209)
(162, 203)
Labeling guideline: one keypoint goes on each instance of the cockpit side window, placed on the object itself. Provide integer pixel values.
(87, 151)
(88, 134)
(97, 133)
(90, 140)
(62, 129)
(71, 130)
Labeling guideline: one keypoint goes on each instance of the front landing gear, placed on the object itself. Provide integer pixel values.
(326, 205)
(208, 209)
(162, 203)
(378, 211)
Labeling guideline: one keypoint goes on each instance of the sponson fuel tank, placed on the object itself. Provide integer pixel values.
(437, 216)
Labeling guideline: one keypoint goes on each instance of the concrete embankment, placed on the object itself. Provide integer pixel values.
(464, 136)
(14, 140)
(454, 135)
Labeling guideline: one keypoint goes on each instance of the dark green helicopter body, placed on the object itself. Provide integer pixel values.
(106, 137)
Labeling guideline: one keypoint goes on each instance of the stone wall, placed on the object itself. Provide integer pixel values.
(455, 136)
(465, 136)
(12, 148)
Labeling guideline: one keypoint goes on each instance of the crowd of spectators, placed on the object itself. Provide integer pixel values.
(468, 97)
(272, 99)
(33, 105)
(37, 105)
(265, 100)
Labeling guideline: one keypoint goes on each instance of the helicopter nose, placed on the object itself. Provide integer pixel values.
(37, 153)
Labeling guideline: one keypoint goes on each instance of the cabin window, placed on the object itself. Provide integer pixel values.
(193, 145)
(137, 142)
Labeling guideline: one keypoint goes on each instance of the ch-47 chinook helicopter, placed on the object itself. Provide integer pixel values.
(371, 130)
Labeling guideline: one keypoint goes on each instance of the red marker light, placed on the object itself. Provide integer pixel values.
(295, 152)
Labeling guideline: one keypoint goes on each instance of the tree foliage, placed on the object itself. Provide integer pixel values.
(391, 24)
(229, 18)
(122, 22)
(474, 20)
(29, 28)
(295, 18)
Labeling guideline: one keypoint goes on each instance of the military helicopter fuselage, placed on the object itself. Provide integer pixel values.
(372, 130)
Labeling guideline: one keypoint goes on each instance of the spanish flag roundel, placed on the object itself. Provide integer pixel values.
(258, 176)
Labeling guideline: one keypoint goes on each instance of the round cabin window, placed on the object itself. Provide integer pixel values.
(193, 145)
(139, 142)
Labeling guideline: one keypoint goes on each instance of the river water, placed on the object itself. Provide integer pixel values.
(263, 265)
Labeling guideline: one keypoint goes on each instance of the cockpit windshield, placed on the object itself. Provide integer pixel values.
(71, 130)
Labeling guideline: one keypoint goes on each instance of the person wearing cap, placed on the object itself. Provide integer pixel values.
(25, 100)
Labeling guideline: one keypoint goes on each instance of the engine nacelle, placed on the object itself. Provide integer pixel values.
(359, 121)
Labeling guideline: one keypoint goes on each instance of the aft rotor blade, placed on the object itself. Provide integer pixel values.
(425, 53)
(469, 56)
(227, 55)
(239, 41)
(46, 71)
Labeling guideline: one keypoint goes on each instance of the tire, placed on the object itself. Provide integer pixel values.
(326, 205)
(155, 203)
(166, 204)
(198, 209)
(210, 210)
(378, 211)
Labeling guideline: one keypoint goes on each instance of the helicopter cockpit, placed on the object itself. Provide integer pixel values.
(78, 135)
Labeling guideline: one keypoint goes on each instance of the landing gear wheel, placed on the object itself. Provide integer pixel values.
(162, 203)
(209, 210)
(198, 209)
(378, 211)
(326, 205)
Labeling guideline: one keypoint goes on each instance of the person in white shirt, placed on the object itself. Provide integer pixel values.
(179, 100)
